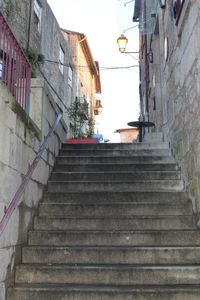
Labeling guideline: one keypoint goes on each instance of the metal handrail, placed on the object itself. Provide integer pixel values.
(16, 199)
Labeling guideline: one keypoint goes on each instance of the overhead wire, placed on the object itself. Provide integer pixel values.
(84, 67)
(87, 67)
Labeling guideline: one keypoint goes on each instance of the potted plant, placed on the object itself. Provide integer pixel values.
(36, 59)
(81, 125)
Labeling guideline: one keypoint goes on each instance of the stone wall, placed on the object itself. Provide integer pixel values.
(176, 83)
(20, 138)
(181, 77)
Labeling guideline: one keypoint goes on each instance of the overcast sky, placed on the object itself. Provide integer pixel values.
(103, 21)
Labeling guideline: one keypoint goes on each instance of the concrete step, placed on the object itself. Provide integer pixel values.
(115, 152)
(116, 186)
(114, 224)
(117, 146)
(103, 209)
(105, 292)
(111, 255)
(92, 197)
(114, 159)
(114, 167)
(117, 222)
(115, 237)
(110, 175)
(108, 274)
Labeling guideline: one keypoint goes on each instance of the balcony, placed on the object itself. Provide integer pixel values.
(15, 70)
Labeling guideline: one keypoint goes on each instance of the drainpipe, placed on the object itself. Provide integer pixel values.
(29, 26)
(146, 62)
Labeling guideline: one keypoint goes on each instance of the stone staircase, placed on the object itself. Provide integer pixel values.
(114, 224)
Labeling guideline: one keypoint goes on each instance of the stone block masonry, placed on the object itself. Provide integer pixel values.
(20, 138)
(174, 78)
(184, 126)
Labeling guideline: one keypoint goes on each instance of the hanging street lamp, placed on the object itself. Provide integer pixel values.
(122, 41)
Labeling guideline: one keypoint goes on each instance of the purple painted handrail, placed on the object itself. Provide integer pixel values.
(16, 199)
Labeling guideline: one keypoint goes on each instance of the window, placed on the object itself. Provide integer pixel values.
(154, 102)
(70, 75)
(37, 8)
(166, 48)
(5, 65)
(61, 60)
(178, 4)
(1, 66)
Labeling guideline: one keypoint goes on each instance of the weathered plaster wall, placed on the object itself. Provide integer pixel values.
(16, 13)
(20, 139)
(51, 41)
(128, 135)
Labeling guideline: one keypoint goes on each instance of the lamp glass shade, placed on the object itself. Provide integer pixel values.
(122, 42)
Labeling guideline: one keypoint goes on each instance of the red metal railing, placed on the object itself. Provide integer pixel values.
(8, 211)
(15, 70)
